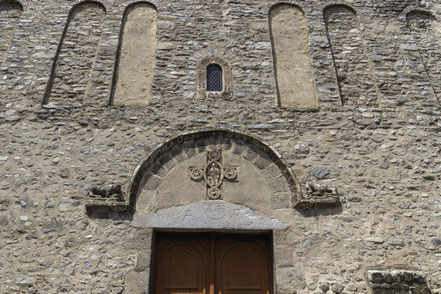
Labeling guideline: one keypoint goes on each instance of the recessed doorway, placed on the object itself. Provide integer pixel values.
(212, 264)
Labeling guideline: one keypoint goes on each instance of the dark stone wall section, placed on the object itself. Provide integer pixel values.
(422, 24)
(356, 84)
(10, 13)
(76, 55)
(381, 32)
(397, 282)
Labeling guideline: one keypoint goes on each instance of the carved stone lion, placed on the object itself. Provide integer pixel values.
(112, 191)
(316, 190)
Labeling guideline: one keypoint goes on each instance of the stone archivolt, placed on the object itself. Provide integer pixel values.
(173, 174)
(177, 169)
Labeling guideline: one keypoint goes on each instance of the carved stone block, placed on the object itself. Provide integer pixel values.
(394, 281)
(319, 195)
(107, 196)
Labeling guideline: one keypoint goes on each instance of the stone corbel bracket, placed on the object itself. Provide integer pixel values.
(107, 198)
(319, 196)
(396, 281)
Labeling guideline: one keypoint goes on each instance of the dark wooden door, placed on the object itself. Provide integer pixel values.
(182, 265)
(215, 264)
(243, 266)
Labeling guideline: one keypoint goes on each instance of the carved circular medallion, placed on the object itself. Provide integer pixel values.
(214, 193)
(231, 173)
(226, 95)
(214, 155)
(196, 174)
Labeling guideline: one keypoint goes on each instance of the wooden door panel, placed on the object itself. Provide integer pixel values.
(217, 264)
(243, 266)
(182, 266)
(243, 270)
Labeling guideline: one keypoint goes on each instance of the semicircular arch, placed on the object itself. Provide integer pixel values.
(266, 162)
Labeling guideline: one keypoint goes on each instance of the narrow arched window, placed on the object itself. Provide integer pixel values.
(214, 78)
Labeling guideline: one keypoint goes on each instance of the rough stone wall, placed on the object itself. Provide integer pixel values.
(245, 42)
(384, 51)
(384, 160)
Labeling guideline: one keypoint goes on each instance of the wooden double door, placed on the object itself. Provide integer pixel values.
(212, 264)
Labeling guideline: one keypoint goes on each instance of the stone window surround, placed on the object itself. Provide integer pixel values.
(201, 79)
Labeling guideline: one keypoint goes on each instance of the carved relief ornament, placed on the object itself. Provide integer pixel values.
(213, 173)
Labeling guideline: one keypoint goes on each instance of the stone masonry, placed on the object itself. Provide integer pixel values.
(347, 178)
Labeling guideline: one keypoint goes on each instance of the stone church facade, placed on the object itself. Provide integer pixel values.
(309, 127)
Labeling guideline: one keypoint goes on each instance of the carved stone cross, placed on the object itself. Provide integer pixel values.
(213, 173)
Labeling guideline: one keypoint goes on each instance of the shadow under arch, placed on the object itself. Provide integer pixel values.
(418, 12)
(330, 7)
(136, 182)
(13, 2)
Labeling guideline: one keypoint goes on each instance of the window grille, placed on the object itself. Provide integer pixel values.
(214, 78)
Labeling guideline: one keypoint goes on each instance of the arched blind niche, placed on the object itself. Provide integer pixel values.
(214, 78)
(351, 60)
(425, 32)
(10, 13)
(133, 77)
(293, 70)
(76, 55)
